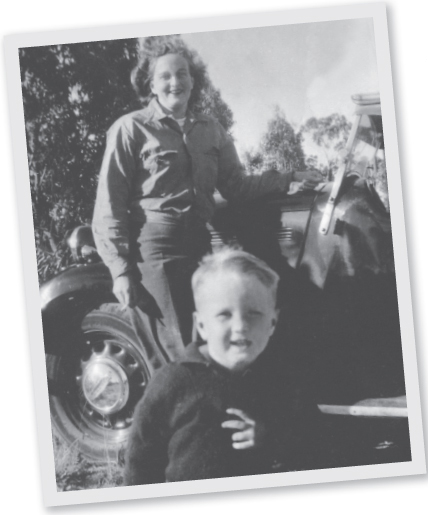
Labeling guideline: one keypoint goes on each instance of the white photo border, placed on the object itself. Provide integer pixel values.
(376, 11)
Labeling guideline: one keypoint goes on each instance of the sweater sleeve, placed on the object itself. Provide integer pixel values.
(168, 440)
(233, 183)
(146, 454)
(110, 221)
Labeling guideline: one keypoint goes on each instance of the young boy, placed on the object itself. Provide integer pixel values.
(224, 409)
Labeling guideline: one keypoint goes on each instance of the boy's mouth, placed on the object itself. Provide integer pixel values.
(241, 344)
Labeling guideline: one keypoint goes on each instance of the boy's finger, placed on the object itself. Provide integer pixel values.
(234, 424)
(243, 445)
(242, 436)
(239, 413)
(235, 411)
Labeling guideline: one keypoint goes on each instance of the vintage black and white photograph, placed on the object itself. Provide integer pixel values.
(215, 254)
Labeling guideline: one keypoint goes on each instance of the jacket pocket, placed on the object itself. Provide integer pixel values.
(206, 169)
(157, 160)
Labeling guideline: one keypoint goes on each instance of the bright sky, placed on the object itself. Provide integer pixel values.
(308, 69)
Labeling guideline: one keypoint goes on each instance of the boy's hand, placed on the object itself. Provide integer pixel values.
(249, 433)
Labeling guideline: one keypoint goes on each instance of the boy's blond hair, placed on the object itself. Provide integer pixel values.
(234, 260)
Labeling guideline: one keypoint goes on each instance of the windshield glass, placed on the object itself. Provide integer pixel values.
(367, 155)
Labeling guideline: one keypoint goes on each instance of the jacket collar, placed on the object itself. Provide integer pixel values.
(155, 112)
(192, 354)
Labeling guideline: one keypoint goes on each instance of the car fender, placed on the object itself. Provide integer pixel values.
(359, 239)
(350, 316)
(67, 298)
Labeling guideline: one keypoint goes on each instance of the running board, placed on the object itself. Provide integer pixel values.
(392, 407)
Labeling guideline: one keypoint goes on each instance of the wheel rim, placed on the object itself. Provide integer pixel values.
(107, 417)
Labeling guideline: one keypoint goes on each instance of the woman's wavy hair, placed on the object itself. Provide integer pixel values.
(153, 47)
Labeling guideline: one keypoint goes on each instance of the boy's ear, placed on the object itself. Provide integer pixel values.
(198, 324)
(274, 321)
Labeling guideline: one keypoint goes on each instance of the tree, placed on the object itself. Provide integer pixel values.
(281, 146)
(72, 94)
(311, 162)
(330, 134)
(253, 161)
(211, 103)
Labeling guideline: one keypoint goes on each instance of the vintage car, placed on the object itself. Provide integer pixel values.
(339, 324)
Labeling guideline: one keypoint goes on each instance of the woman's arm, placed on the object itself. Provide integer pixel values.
(234, 183)
(111, 214)
(110, 222)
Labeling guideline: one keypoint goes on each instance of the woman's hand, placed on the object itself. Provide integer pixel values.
(249, 433)
(127, 291)
(309, 179)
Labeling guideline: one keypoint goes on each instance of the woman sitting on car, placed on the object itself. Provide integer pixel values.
(161, 167)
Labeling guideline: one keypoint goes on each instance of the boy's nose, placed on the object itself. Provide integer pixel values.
(239, 325)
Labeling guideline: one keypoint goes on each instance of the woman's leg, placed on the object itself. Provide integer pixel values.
(167, 257)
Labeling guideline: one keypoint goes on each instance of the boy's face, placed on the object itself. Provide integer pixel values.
(236, 316)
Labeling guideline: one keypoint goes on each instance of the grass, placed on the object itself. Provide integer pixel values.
(74, 471)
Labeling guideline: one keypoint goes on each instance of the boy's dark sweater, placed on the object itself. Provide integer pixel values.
(177, 433)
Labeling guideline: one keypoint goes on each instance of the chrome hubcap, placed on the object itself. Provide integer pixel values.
(105, 385)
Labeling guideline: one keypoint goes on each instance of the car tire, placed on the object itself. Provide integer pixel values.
(106, 341)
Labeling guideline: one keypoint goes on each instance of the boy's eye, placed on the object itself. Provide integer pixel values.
(224, 315)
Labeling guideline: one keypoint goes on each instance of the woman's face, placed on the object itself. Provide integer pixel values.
(172, 83)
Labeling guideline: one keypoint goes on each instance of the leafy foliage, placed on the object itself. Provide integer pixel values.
(282, 145)
(330, 134)
(76, 472)
(72, 94)
(212, 103)
(280, 148)
(311, 162)
(253, 161)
